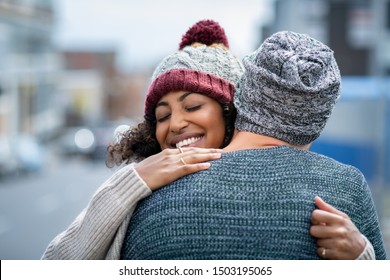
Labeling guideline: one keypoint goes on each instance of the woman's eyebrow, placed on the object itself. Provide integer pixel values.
(180, 99)
(184, 95)
(162, 103)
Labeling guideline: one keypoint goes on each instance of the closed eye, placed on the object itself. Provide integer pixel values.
(194, 108)
(164, 118)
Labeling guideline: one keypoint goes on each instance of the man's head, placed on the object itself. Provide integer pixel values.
(289, 89)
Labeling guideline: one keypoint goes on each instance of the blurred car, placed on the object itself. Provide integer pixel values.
(103, 137)
(77, 141)
(8, 159)
(30, 153)
(90, 141)
(22, 154)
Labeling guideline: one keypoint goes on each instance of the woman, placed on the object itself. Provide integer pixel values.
(210, 70)
(189, 88)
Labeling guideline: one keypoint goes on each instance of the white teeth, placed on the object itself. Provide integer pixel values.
(188, 141)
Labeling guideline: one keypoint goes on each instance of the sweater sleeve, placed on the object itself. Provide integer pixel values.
(370, 227)
(368, 252)
(93, 232)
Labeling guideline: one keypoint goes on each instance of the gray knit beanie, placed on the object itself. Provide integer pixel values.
(290, 86)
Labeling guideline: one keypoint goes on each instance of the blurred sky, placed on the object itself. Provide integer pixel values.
(144, 31)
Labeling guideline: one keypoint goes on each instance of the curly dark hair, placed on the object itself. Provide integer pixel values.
(140, 141)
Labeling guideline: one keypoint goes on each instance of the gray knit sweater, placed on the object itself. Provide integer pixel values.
(251, 204)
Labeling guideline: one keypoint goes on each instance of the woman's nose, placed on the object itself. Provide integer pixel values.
(177, 122)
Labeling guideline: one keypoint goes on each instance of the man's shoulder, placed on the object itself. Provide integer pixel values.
(288, 157)
(328, 161)
(261, 162)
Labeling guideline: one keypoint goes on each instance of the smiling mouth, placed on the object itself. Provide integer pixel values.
(187, 142)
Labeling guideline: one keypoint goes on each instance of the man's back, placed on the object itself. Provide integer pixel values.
(251, 204)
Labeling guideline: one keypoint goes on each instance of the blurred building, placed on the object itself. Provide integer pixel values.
(87, 82)
(131, 103)
(98, 98)
(29, 68)
(43, 89)
(357, 30)
(96, 91)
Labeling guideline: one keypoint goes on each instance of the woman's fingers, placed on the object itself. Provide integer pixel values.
(340, 248)
(171, 164)
(193, 158)
(191, 161)
(325, 224)
(193, 150)
(321, 231)
(327, 253)
(321, 204)
(337, 236)
(323, 217)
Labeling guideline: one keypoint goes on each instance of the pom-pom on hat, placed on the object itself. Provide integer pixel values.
(203, 64)
(207, 32)
(289, 89)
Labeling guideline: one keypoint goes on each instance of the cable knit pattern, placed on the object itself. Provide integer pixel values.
(251, 204)
(216, 60)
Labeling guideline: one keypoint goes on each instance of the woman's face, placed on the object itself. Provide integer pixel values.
(187, 119)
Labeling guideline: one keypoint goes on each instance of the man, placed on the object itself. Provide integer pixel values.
(256, 201)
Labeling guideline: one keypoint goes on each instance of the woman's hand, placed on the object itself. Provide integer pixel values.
(171, 164)
(337, 236)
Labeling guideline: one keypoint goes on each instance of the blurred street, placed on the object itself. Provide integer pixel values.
(36, 207)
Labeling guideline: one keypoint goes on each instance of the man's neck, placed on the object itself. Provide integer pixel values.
(243, 140)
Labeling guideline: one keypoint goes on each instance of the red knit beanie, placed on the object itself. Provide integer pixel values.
(207, 67)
